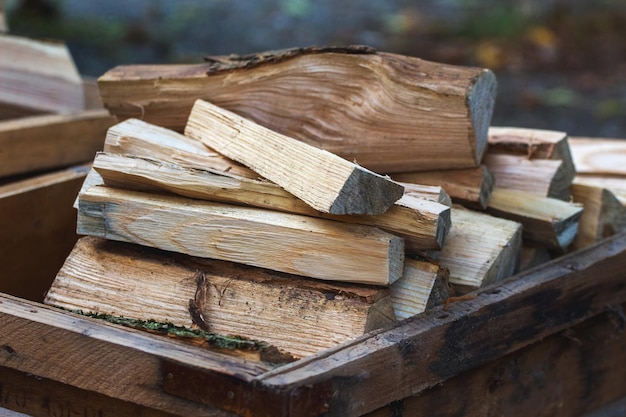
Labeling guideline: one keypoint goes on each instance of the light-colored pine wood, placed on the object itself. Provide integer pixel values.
(422, 223)
(614, 184)
(471, 187)
(480, 249)
(323, 180)
(300, 245)
(541, 177)
(428, 192)
(390, 113)
(295, 314)
(35, 143)
(546, 221)
(91, 93)
(422, 285)
(599, 156)
(37, 77)
(603, 215)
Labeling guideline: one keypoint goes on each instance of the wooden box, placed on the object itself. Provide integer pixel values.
(550, 341)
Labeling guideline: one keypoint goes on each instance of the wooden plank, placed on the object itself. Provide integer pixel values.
(35, 143)
(423, 224)
(296, 315)
(323, 180)
(437, 345)
(599, 156)
(571, 373)
(471, 187)
(546, 221)
(386, 111)
(38, 77)
(37, 230)
(299, 245)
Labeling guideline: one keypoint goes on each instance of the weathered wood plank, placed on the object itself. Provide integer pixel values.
(323, 180)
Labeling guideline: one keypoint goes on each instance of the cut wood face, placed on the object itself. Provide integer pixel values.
(599, 156)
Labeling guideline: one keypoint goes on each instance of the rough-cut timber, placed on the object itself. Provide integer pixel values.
(614, 184)
(542, 177)
(325, 181)
(546, 221)
(37, 77)
(428, 192)
(471, 187)
(390, 113)
(291, 243)
(480, 249)
(603, 215)
(599, 156)
(35, 143)
(423, 285)
(298, 315)
(422, 223)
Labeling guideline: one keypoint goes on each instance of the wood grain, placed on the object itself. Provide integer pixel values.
(599, 156)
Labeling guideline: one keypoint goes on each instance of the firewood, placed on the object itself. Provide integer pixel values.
(37, 77)
(291, 243)
(469, 187)
(324, 181)
(36, 143)
(423, 285)
(599, 156)
(388, 112)
(541, 177)
(301, 316)
(428, 192)
(546, 221)
(603, 215)
(616, 185)
(480, 249)
(533, 255)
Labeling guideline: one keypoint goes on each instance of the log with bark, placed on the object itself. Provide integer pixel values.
(388, 112)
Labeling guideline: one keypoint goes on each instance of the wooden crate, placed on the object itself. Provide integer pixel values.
(549, 341)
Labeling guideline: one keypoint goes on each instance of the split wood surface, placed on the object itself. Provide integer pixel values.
(599, 156)
(284, 242)
(30, 144)
(389, 113)
(297, 315)
(325, 181)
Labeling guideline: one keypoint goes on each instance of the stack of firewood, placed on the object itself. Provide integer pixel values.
(302, 197)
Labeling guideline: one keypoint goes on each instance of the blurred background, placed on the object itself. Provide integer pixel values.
(560, 64)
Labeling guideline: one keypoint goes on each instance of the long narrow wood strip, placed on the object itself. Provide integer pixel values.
(35, 143)
(323, 180)
(300, 245)
(599, 156)
(390, 113)
(547, 221)
(423, 224)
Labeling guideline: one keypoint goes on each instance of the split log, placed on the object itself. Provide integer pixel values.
(388, 112)
(422, 223)
(603, 215)
(616, 185)
(295, 314)
(541, 177)
(324, 181)
(469, 187)
(35, 143)
(422, 286)
(300, 245)
(480, 249)
(599, 156)
(37, 77)
(427, 192)
(533, 255)
(546, 221)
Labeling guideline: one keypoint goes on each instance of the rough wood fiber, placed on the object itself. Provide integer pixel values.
(323, 180)
(297, 315)
(614, 184)
(390, 113)
(599, 156)
(300, 245)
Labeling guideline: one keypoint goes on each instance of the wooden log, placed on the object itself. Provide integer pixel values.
(614, 184)
(422, 223)
(37, 77)
(323, 180)
(37, 226)
(295, 314)
(390, 113)
(36, 143)
(428, 192)
(422, 286)
(470, 187)
(599, 156)
(480, 249)
(300, 245)
(541, 177)
(533, 255)
(603, 215)
(546, 221)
